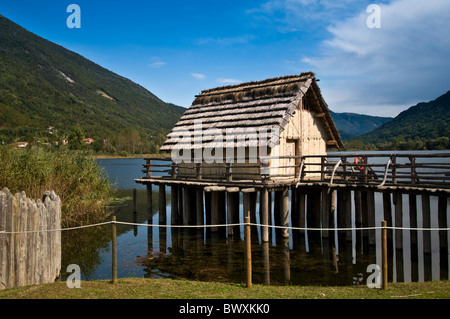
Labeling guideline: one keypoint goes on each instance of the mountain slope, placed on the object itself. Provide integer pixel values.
(352, 124)
(43, 84)
(425, 121)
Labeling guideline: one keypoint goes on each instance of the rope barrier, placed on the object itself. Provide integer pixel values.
(230, 225)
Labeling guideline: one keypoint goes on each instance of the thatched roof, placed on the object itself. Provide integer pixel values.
(251, 106)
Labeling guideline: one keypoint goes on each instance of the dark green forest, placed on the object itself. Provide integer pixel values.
(425, 126)
(45, 85)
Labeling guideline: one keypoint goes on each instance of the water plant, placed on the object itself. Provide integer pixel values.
(74, 175)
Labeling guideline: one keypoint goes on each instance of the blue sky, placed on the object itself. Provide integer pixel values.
(175, 49)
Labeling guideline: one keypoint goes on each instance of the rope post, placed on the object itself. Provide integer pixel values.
(248, 252)
(384, 254)
(114, 250)
(134, 201)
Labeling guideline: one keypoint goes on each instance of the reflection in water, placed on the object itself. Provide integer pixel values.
(200, 254)
(306, 258)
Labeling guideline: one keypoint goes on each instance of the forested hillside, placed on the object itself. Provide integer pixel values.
(45, 85)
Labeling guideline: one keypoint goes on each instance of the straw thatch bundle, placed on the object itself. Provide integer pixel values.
(247, 109)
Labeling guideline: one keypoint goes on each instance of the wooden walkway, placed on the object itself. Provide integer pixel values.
(321, 192)
(408, 172)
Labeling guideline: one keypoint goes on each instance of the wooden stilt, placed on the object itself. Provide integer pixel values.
(325, 212)
(149, 202)
(426, 223)
(214, 210)
(413, 237)
(301, 210)
(174, 205)
(284, 214)
(264, 215)
(221, 211)
(230, 212)
(398, 220)
(162, 204)
(443, 240)
(199, 207)
(186, 206)
(149, 218)
(371, 215)
(387, 214)
(398, 203)
(387, 211)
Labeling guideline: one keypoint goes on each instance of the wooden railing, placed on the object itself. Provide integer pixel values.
(414, 170)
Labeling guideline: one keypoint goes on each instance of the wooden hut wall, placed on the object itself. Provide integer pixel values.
(246, 169)
(303, 135)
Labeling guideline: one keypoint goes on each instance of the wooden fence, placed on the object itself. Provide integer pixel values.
(405, 170)
(30, 239)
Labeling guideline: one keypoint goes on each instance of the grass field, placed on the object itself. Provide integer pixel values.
(141, 288)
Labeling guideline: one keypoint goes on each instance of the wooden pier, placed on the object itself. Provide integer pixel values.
(321, 192)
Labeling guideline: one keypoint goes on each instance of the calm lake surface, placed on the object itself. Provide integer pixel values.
(197, 254)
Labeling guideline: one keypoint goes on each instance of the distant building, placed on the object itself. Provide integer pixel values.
(22, 144)
(50, 129)
(88, 140)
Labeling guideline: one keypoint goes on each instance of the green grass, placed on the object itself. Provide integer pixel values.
(141, 288)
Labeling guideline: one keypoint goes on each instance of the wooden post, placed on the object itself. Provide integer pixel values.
(214, 210)
(384, 255)
(387, 210)
(413, 234)
(229, 173)
(149, 169)
(162, 205)
(371, 215)
(301, 204)
(443, 234)
(248, 250)
(149, 202)
(264, 202)
(222, 212)
(426, 223)
(174, 220)
(325, 212)
(394, 169)
(284, 214)
(186, 206)
(198, 171)
(134, 201)
(313, 217)
(398, 219)
(233, 211)
(199, 207)
(398, 203)
(114, 250)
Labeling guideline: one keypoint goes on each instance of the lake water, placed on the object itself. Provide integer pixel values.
(201, 255)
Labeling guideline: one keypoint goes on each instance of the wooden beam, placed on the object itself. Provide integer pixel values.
(215, 188)
(332, 142)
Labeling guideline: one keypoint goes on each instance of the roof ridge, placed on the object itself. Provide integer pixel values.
(254, 84)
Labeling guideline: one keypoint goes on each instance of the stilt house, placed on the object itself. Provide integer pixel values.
(254, 130)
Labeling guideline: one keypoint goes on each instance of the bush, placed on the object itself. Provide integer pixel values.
(73, 175)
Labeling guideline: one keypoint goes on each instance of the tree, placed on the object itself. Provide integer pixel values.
(76, 138)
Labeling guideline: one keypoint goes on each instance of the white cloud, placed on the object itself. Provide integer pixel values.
(297, 15)
(198, 76)
(382, 71)
(229, 81)
(226, 41)
(156, 64)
